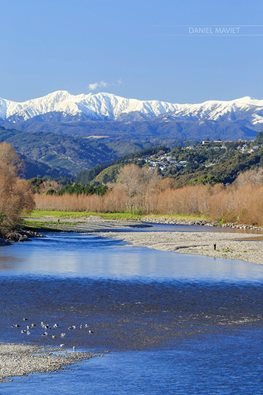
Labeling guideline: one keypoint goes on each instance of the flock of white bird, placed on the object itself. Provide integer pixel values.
(48, 329)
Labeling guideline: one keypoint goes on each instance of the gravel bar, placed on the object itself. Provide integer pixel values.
(241, 246)
(20, 359)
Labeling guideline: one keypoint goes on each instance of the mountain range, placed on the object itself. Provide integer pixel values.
(61, 134)
(106, 106)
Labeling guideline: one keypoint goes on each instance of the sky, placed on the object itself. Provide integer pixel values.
(147, 49)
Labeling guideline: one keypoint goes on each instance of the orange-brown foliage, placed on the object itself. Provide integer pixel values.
(15, 194)
(141, 190)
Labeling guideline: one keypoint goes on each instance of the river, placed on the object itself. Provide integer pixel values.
(164, 323)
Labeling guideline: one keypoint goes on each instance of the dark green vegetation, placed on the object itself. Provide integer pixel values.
(207, 163)
(57, 147)
(50, 187)
(80, 189)
(52, 155)
(58, 156)
(203, 163)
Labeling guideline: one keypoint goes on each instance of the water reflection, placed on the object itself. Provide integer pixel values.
(85, 255)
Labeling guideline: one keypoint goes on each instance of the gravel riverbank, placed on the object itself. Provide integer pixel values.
(243, 246)
(20, 359)
(241, 242)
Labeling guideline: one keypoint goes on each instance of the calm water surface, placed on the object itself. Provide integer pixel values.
(170, 323)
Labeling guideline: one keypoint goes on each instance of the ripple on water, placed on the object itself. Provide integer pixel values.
(173, 323)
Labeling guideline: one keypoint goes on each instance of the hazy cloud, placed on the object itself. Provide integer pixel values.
(93, 86)
(97, 85)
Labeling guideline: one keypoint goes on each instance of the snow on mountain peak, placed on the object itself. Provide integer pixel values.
(107, 105)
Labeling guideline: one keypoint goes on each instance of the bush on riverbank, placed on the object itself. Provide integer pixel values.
(143, 191)
(15, 193)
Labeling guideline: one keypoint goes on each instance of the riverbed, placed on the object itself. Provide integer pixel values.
(161, 322)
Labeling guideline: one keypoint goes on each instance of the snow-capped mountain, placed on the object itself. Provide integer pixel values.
(61, 134)
(101, 106)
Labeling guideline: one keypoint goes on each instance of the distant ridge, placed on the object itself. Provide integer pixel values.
(62, 134)
(106, 106)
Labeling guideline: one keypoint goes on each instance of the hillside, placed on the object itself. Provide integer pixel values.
(55, 155)
(63, 155)
(209, 162)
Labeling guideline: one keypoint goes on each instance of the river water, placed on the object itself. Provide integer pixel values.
(165, 323)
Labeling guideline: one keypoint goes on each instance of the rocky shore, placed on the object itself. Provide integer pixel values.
(18, 235)
(172, 221)
(22, 235)
(20, 360)
(241, 246)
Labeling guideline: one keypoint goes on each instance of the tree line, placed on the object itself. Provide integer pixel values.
(143, 191)
(139, 190)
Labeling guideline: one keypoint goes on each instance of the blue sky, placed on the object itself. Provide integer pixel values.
(139, 49)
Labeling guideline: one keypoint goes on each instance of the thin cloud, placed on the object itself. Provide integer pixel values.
(93, 86)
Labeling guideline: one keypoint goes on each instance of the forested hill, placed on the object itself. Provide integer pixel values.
(55, 155)
(61, 155)
(209, 162)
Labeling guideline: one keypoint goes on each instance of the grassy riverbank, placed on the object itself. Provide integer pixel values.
(58, 219)
(81, 214)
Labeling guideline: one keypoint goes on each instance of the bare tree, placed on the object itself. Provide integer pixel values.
(137, 183)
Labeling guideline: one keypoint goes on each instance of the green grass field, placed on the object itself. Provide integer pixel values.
(177, 217)
(80, 214)
(48, 219)
(59, 220)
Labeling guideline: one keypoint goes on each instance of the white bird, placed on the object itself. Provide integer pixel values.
(62, 334)
(71, 327)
